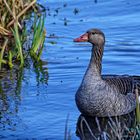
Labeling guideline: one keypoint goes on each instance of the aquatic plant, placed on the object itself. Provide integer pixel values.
(39, 34)
(116, 128)
(13, 14)
(2, 53)
(67, 134)
(18, 44)
(137, 107)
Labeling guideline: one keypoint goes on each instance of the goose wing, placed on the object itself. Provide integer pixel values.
(124, 84)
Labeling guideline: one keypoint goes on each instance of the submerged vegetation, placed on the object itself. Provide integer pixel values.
(13, 31)
(112, 128)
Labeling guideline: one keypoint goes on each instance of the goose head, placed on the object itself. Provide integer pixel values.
(94, 36)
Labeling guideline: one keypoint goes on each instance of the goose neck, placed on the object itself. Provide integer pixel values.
(96, 60)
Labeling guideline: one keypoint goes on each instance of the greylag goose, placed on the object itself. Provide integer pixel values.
(104, 95)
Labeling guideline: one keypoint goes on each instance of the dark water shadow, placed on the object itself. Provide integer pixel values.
(10, 88)
(109, 128)
(41, 72)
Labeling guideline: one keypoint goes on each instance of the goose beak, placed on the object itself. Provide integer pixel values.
(82, 38)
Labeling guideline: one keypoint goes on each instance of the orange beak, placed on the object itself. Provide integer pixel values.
(82, 38)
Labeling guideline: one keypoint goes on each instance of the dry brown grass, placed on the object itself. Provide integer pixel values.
(12, 16)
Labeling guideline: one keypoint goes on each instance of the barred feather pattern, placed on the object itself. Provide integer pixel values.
(124, 84)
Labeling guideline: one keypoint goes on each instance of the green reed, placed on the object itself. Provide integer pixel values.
(2, 53)
(39, 34)
(18, 44)
(10, 57)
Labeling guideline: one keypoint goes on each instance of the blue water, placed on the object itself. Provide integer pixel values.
(38, 108)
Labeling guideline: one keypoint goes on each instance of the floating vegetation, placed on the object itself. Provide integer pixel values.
(65, 5)
(13, 31)
(76, 11)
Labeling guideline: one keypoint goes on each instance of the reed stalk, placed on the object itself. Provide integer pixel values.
(2, 53)
(38, 38)
(13, 30)
(10, 60)
(18, 43)
(137, 107)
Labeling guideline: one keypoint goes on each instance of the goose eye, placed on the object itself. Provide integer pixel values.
(93, 33)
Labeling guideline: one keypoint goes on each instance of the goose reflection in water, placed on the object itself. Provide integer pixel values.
(107, 128)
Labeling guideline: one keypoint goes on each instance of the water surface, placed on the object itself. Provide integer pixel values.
(36, 101)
